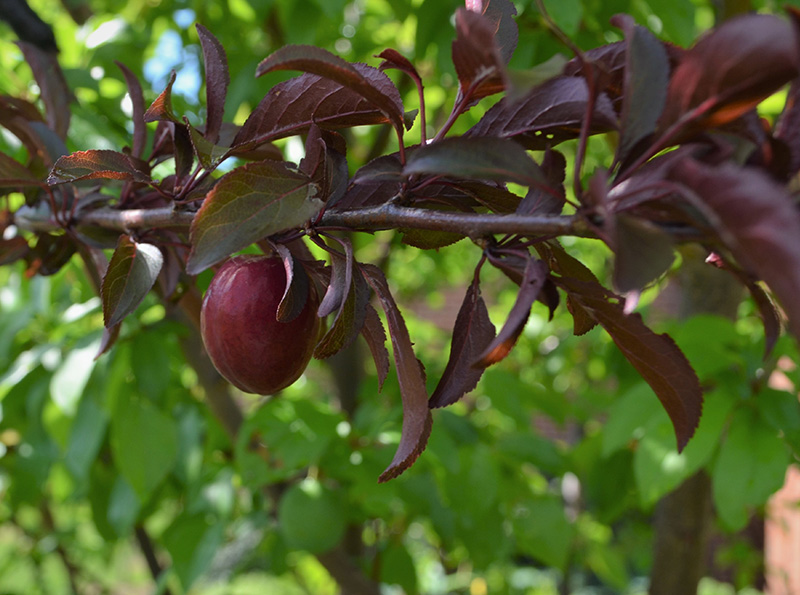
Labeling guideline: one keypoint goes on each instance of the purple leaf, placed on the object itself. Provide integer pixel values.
(89, 165)
(375, 336)
(386, 168)
(394, 59)
(131, 274)
(656, 357)
(349, 319)
(217, 81)
(247, 204)
(161, 108)
(730, 70)
(477, 60)
(472, 333)
(757, 219)
(13, 249)
(370, 83)
(539, 202)
(417, 418)
(208, 154)
(549, 114)
(501, 14)
(293, 106)
(536, 272)
(476, 158)
(14, 175)
(295, 295)
(341, 280)
(55, 91)
(646, 80)
(643, 253)
(137, 104)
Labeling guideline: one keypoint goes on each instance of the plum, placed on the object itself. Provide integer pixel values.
(249, 346)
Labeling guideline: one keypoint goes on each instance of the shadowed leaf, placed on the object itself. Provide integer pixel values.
(549, 114)
(55, 92)
(137, 110)
(247, 204)
(349, 318)
(757, 219)
(730, 70)
(535, 275)
(476, 158)
(501, 14)
(89, 165)
(131, 274)
(417, 418)
(368, 82)
(217, 80)
(297, 287)
(340, 283)
(208, 154)
(643, 253)
(646, 80)
(477, 60)
(375, 336)
(14, 175)
(472, 332)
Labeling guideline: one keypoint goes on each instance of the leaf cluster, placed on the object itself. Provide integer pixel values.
(693, 162)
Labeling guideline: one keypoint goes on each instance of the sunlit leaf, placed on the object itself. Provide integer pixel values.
(247, 204)
(104, 164)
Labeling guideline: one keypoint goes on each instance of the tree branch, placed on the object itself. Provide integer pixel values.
(386, 216)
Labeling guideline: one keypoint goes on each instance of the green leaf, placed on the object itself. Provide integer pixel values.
(144, 443)
(751, 466)
(311, 517)
(70, 379)
(246, 205)
(86, 437)
(658, 466)
(131, 274)
(567, 14)
(542, 531)
(123, 507)
(192, 542)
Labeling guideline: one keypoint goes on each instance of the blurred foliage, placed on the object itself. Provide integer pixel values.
(545, 476)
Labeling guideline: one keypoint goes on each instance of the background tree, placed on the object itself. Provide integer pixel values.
(544, 476)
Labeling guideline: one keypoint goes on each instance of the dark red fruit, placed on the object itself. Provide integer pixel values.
(248, 345)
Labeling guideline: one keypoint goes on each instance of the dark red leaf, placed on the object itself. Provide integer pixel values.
(646, 80)
(477, 60)
(536, 272)
(88, 165)
(14, 175)
(297, 287)
(55, 91)
(561, 262)
(341, 281)
(549, 114)
(472, 333)
(730, 70)
(540, 202)
(757, 219)
(386, 168)
(349, 319)
(394, 59)
(217, 81)
(643, 253)
(417, 418)
(293, 106)
(476, 158)
(12, 249)
(656, 357)
(131, 274)
(375, 336)
(501, 14)
(247, 204)
(137, 104)
(161, 108)
(370, 83)
(50, 254)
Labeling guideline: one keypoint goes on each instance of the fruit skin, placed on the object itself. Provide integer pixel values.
(247, 344)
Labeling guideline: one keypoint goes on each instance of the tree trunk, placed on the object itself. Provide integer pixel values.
(683, 517)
